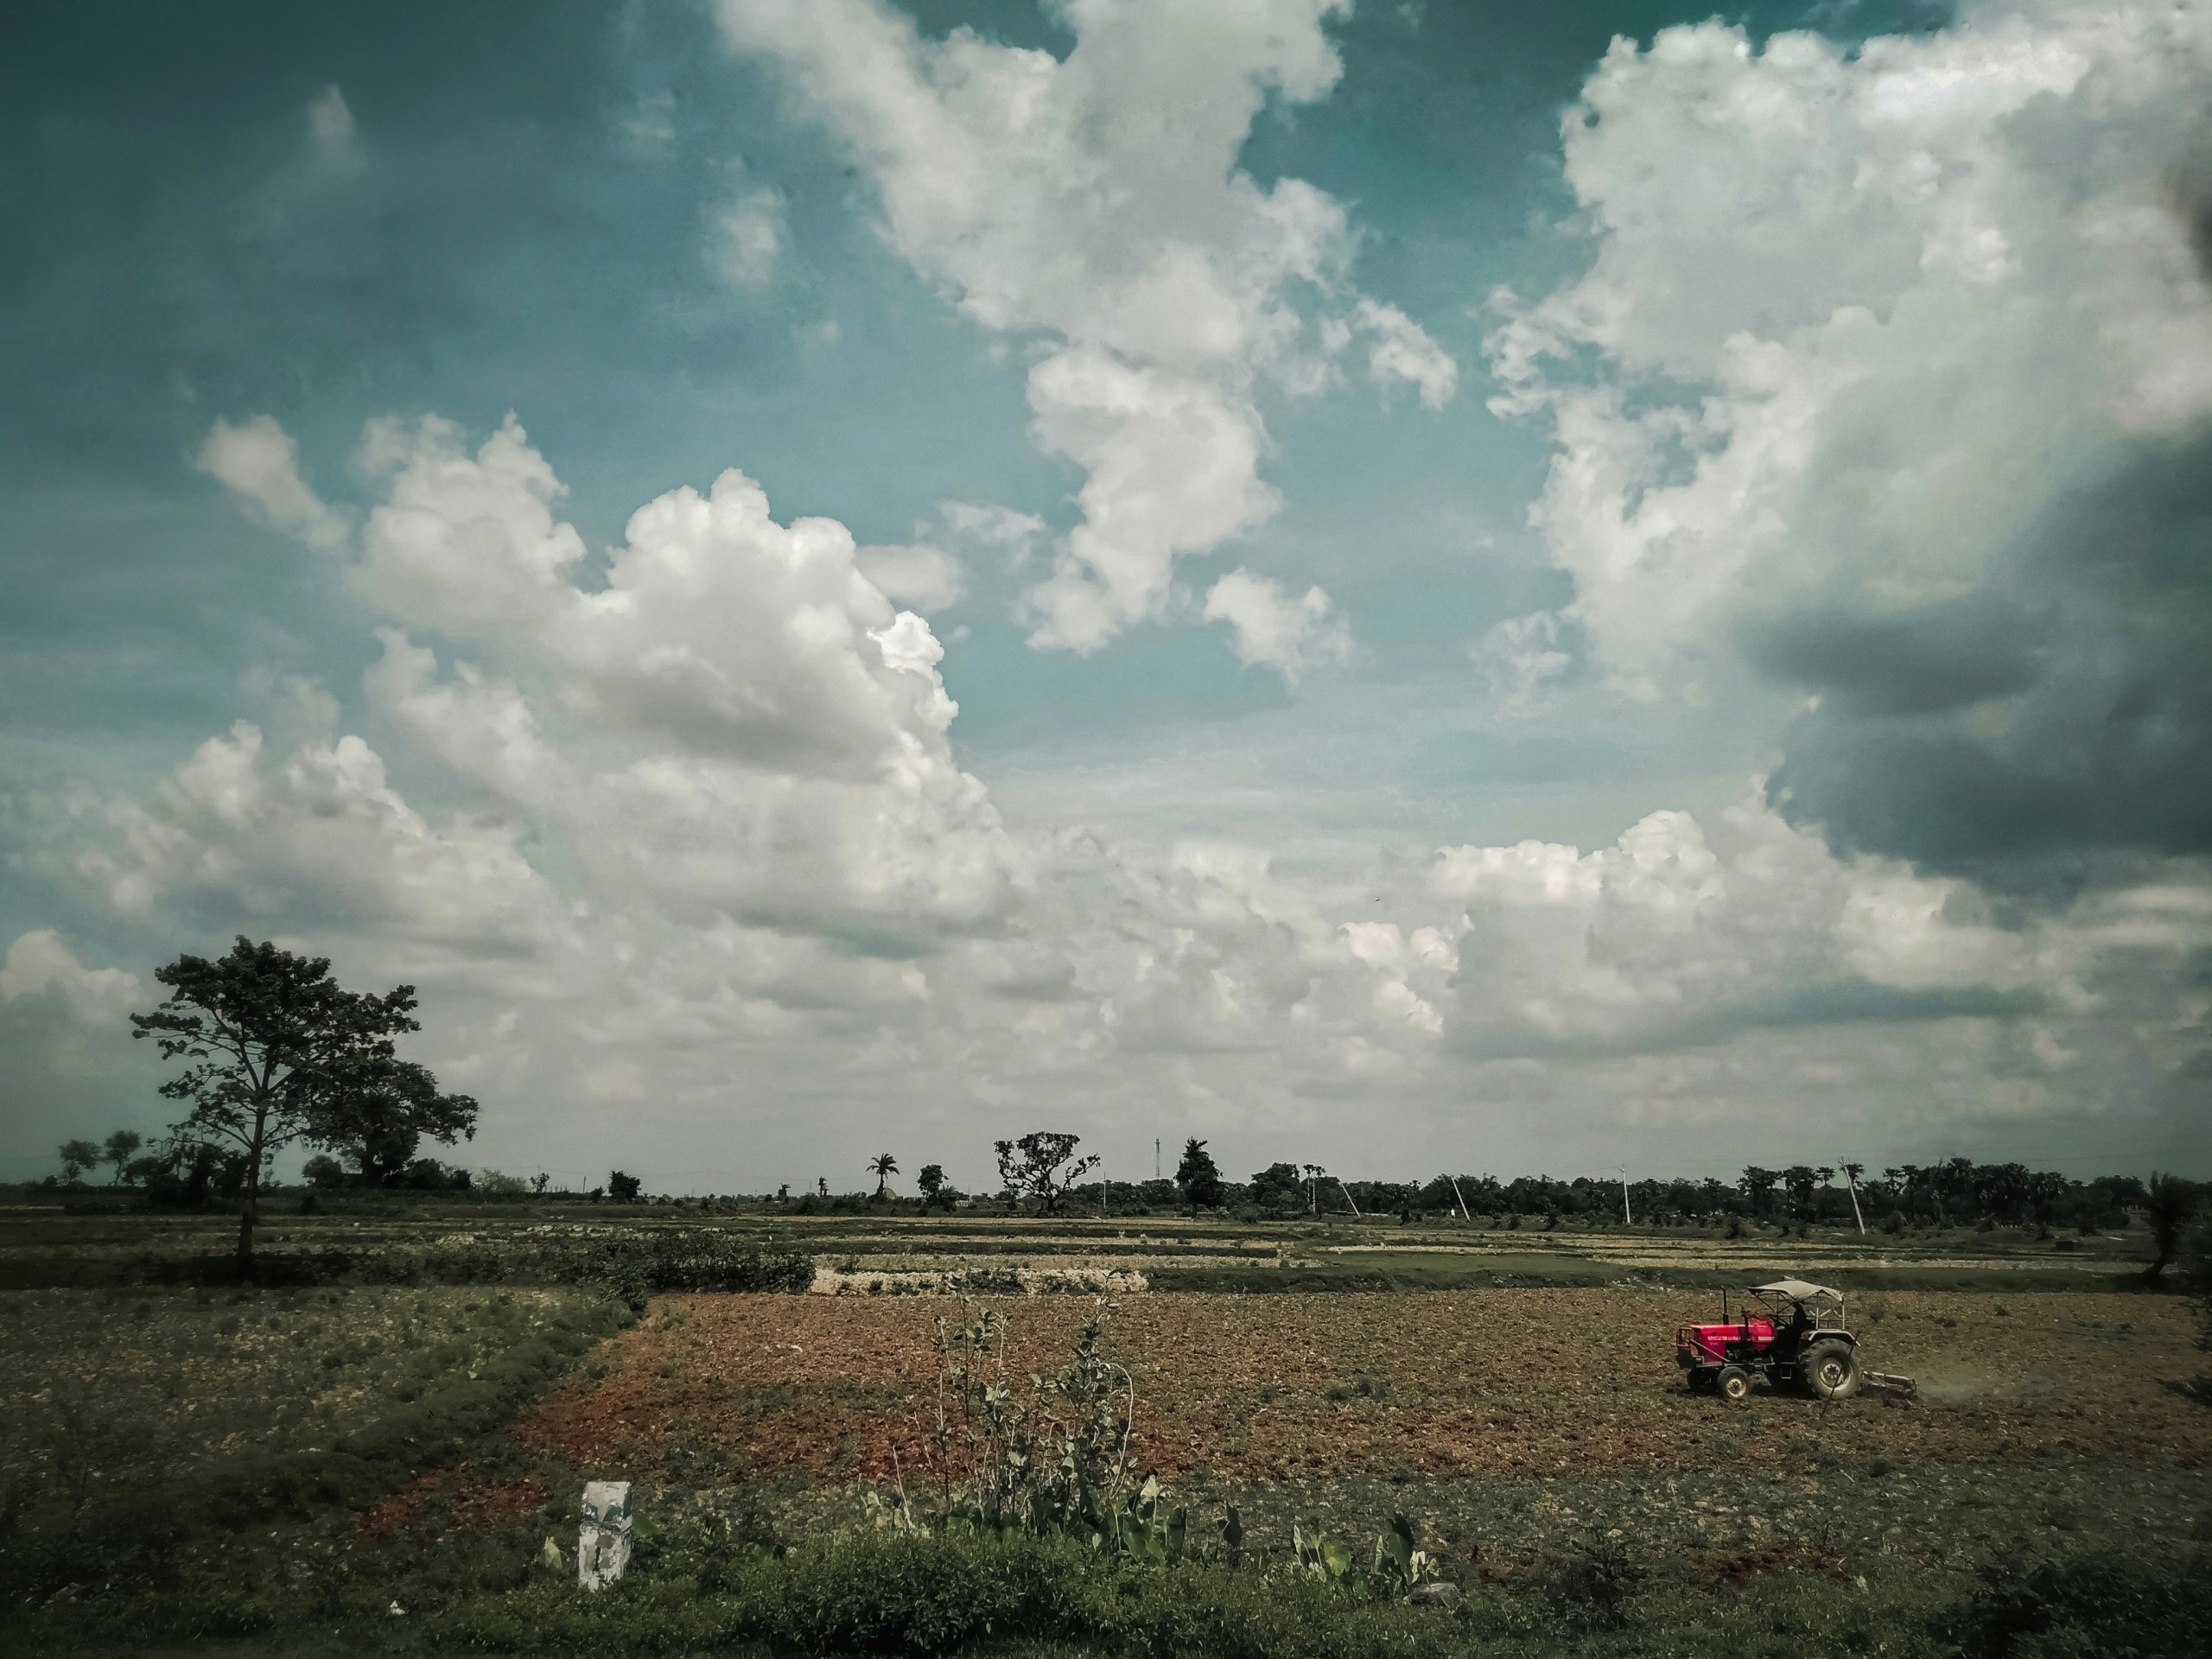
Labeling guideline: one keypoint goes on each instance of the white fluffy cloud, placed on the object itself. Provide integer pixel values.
(709, 825)
(927, 578)
(40, 963)
(1854, 316)
(1272, 627)
(261, 462)
(1095, 202)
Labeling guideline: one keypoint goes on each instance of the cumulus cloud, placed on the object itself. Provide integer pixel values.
(1854, 316)
(1272, 627)
(259, 460)
(1888, 377)
(39, 963)
(2056, 719)
(927, 578)
(1520, 656)
(1095, 202)
(1685, 935)
(1400, 350)
(701, 819)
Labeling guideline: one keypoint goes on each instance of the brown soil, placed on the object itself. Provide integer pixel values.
(1514, 1384)
(476, 1503)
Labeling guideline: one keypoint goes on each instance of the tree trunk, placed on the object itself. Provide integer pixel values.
(250, 1211)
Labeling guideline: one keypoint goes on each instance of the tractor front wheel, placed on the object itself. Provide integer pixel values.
(1830, 1370)
(1733, 1383)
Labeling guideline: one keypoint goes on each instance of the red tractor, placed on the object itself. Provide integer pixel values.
(1794, 1337)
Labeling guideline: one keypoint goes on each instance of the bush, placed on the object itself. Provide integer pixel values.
(1591, 1582)
(895, 1595)
(2094, 1605)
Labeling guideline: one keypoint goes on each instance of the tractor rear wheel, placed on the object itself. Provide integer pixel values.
(1733, 1383)
(1830, 1370)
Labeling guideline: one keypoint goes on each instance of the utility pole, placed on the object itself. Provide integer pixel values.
(1155, 1157)
(1627, 1220)
(1349, 1199)
(1851, 1179)
(1458, 1198)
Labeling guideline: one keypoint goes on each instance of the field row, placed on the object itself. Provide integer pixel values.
(1513, 1383)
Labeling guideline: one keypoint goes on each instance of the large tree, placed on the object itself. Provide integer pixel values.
(275, 1051)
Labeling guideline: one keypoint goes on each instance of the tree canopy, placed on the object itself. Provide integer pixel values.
(1031, 1167)
(1199, 1177)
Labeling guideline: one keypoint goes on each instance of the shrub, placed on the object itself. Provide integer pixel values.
(1590, 1581)
(2092, 1605)
(899, 1595)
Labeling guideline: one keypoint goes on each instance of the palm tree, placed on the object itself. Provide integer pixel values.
(883, 1166)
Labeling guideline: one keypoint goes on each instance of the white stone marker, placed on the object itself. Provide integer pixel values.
(603, 1544)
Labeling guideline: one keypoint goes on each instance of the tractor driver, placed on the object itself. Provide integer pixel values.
(1793, 1336)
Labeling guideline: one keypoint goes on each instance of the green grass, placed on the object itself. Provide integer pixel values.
(133, 1424)
(897, 1595)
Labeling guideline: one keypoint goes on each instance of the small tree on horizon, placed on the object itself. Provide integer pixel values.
(932, 1182)
(622, 1188)
(1031, 1167)
(1199, 1177)
(121, 1147)
(274, 1049)
(883, 1166)
(77, 1157)
(2171, 1202)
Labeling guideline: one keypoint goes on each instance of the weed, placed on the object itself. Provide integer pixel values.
(1362, 1386)
(1591, 1580)
(2100, 1604)
(775, 1397)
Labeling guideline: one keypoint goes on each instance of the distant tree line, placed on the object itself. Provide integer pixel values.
(274, 1053)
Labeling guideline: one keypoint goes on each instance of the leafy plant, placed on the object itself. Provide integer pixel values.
(1400, 1565)
(1592, 1579)
(1053, 1463)
(1320, 1558)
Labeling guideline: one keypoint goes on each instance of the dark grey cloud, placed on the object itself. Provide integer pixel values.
(2031, 732)
(1828, 1002)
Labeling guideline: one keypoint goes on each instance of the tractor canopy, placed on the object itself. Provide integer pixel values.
(1817, 1304)
(1797, 1290)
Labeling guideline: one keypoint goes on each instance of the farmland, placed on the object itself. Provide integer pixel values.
(400, 1412)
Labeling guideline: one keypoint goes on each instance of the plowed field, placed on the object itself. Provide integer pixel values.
(1513, 1383)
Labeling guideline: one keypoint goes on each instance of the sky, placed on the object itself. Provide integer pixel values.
(1507, 587)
